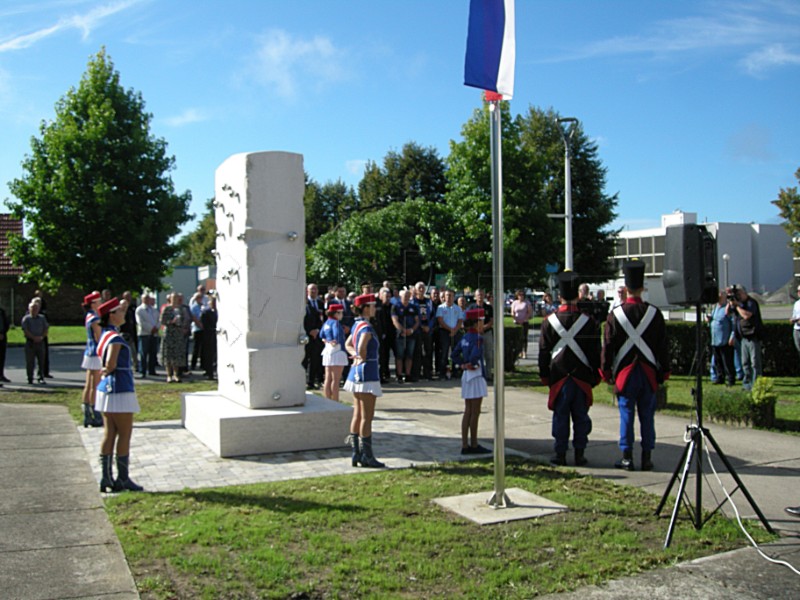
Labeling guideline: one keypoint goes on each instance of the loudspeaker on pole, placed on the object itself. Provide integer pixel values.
(690, 265)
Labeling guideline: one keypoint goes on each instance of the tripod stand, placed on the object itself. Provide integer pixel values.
(694, 448)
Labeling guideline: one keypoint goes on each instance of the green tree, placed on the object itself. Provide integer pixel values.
(533, 186)
(326, 206)
(788, 202)
(370, 246)
(414, 172)
(96, 195)
(195, 247)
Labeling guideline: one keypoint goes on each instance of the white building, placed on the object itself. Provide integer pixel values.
(758, 256)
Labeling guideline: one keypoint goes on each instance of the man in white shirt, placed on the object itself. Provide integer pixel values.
(147, 323)
(450, 318)
(795, 320)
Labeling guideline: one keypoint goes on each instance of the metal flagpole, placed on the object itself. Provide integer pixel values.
(499, 499)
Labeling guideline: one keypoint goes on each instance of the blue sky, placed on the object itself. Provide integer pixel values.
(693, 103)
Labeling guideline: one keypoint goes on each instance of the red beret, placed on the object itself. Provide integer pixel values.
(107, 307)
(365, 299)
(89, 298)
(335, 307)
(475, 313)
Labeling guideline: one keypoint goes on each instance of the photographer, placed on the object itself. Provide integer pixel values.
(747, 327)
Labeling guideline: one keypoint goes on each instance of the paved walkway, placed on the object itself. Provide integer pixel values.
(415, 424)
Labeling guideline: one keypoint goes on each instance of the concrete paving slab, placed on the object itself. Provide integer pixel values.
(39, 440)
(521, 505)
(41, 530)
(25, 498)
(97, 571)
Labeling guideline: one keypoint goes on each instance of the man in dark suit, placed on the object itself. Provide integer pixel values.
(312, 323)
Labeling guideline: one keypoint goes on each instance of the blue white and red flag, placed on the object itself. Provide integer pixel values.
(491, 50)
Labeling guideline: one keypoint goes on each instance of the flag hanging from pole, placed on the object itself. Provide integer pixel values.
(491, 49)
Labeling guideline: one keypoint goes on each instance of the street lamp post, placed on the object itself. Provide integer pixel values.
(725, 258)
(566, 134)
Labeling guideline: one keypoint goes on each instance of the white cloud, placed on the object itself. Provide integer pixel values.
(356, 166)
(286, 63)
(85, 23)
(187, 117)
(723, 26)
(772, 56)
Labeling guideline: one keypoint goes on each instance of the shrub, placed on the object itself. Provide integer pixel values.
(736, 406)
(763, 399)
(727, 405)
(779, 356)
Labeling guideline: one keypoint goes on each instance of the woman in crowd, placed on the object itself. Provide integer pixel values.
(521, 312)
(116, 398)
(91, 362)
(363, 381)
(174, 342)
(468, 354)
(334, 355)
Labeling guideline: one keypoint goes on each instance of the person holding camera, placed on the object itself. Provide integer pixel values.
(748, 328)
(721, 331)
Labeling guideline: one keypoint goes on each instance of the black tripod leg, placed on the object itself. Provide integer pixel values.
(689, 453)
(738, 481)
(678, 468)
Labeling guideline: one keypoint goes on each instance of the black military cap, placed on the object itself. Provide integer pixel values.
(568, 282)
(634, 274)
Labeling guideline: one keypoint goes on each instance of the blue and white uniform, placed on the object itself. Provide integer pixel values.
(334, 354)
(115, 392)
(365, 377)
(469, 350)
(90, 359)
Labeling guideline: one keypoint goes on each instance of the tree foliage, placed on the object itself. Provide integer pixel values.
(370, 246)
(533, 186)
(96, 195)
(415, 172)
(788, 202)
(196, 246)
(326, 206)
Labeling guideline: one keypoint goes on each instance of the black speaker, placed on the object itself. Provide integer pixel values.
(690, 265)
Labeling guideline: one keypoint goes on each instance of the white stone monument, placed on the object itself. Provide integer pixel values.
(261, 405)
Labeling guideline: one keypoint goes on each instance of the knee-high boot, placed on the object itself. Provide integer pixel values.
(367, 458)
(107, 480)
(124, 482)
(97, 417)
(352, 439)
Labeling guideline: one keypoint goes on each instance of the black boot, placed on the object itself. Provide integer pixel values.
(124, 482)
(559, 460)
(107, 480)
(97, 417)
(88, 415)
(367, 458)
(352, 440)
(580, 459)
(626, 462)
(647, 463)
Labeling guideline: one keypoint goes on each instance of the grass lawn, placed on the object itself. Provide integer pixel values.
(381, 536)
(158, 401)
(58, 334)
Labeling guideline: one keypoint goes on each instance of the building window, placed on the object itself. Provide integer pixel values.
(633, 246)
(659, 242)
(647, 245)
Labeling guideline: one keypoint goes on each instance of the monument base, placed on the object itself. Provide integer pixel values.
(230, 429)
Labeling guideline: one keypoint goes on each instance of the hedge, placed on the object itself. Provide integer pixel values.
(779, 356)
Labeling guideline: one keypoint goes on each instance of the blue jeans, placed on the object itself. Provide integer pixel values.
(571, 403)
(637, 395)
(751, 362)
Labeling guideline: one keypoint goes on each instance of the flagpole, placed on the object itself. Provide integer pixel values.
(499, 499)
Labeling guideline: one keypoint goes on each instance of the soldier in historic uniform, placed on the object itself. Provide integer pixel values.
(636, 360)
(569, 363)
